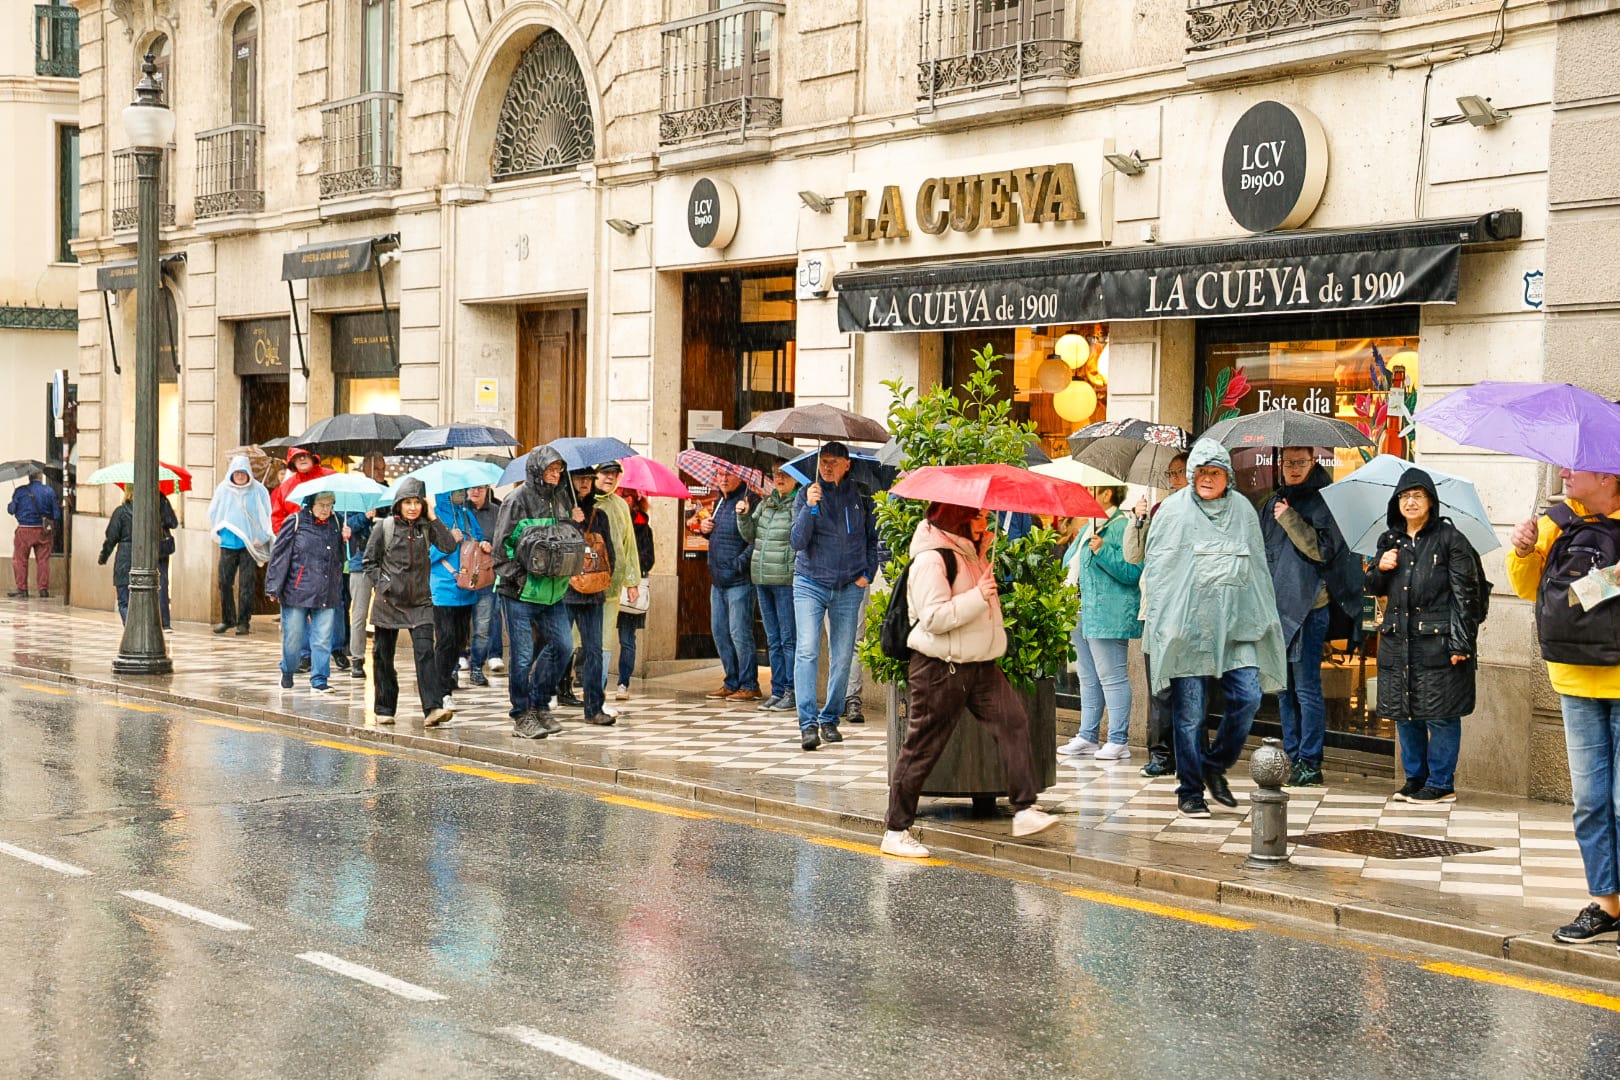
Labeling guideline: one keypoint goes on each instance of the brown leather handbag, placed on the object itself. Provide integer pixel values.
(477, 567)
(597, 574)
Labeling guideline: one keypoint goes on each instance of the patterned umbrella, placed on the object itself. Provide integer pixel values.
(1136, 451)
(398, 465)
(451, 436)
(705, 468)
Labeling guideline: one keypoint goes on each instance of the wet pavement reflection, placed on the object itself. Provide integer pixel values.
(688, 946)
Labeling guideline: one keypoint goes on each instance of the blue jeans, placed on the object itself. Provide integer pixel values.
(1194, 754)
(486, 632)
(1105, 679)
(776, 612)
(627, 654)
(314, 627)
(1429, 750)
(731, 621)
(531, 673)
(1592, 739)
(813, 602)
(587, 619)
(1304, 711)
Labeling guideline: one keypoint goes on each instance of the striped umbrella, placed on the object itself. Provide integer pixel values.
(705, 468)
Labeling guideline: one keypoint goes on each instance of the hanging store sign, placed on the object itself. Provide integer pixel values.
(263, 347)
(712, 213)
(1275, 167)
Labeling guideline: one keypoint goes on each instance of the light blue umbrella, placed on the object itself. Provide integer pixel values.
(356, 493)
(1360, 504)
(455, 475)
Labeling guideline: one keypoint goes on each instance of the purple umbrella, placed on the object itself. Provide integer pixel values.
(1552, 422)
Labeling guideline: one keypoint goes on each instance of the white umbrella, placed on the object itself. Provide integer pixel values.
(1360, 504)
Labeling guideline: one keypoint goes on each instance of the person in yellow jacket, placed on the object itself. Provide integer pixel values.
(1582, 650)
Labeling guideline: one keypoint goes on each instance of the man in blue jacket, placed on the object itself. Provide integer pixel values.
(305, 576)
(731, 593)
(835, 537)
(37, 512)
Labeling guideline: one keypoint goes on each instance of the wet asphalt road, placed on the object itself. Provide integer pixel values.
(688, 948)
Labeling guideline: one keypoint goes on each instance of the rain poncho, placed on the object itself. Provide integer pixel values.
(242, 511)
(1210, 606)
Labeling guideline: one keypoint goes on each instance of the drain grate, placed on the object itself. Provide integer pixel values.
(1379, 844)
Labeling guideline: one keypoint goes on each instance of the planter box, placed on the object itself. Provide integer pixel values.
(971, 764)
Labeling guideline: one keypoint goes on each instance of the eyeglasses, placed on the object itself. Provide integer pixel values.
(1299, 463)
(1414, 496)
(1179, 472)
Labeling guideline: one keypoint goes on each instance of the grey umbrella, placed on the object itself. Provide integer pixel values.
(16, 470)
(753, 451)
(1136, 451)
(1285, 427)
(824, 422)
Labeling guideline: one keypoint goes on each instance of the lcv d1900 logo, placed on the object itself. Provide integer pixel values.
(1275, 167)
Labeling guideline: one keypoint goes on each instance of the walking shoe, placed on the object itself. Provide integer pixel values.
(622, 694)
(1592, 922)
(464, 664)
(745, 695)
(902, 845)
(1114, 751)
(220, 628)
(323, 688)
(45, 594)
(1156, 768)
(768, 703)
(242, 630)
(528, 726)
(829, 733)
(1078, 745)
(448, 701)
(1219, 789)
(340, 661)
(496, 666)
(477, 679)
(601, 719)
(438, 716)
(809, 738)
(18, 594)
(786, 703)
(854, 712)
(1029, 821)
(1431, 794)
(286, 681)
(1304, 774)
(303, 666)
(719, 692)
(384, 718)
(608, 710)
(549, 724)
(1409, 789)
(357, 670)
(1194, 806)
(566, 697)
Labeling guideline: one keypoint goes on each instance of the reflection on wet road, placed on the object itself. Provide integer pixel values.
(262, 903)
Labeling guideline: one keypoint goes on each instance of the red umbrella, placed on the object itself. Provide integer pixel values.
(169, 487)
(647, 476)
(998, 487)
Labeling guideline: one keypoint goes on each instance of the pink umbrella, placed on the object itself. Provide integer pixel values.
(647, 476)
(705, 467)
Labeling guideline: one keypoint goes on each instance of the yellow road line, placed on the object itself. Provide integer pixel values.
(872, 849)
(39, 689)
(490, 774)
(138, 708)
(1530, 986)
(1219, 922)
(373, 751)
(657, 808)
(232, 724)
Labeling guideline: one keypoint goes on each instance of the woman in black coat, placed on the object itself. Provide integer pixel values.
(119, 541)
(1426, 649)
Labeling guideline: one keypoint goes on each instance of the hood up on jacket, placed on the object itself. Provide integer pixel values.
(294, 451)
(1413, 478)
(411, 488)
(1209, 452)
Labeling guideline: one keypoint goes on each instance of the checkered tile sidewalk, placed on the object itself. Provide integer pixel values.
(1533, 856)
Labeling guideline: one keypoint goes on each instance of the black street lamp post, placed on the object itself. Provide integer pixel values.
(150, 124)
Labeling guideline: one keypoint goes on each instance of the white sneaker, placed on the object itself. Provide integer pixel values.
(1078, 745)
(622, 694)
(449, 702)
(901, 844)
(1114, 751)
(608, 710)
(464, 664)
(1029, 821)
(496, 666)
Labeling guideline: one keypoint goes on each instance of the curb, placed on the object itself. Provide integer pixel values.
(1251, 892)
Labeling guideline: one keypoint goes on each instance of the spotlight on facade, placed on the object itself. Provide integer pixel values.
(819, 203)
(622, 227)
(1479, 111)
(1130, 164)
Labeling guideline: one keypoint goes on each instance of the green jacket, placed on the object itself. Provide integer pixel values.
(767, 529)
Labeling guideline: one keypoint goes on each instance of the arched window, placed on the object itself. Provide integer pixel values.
(160, 50)
(245, 68)
(546, 124)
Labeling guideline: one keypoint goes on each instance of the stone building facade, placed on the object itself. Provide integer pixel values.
(648, 217)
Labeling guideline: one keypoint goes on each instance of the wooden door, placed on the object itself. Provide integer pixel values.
(551, 373)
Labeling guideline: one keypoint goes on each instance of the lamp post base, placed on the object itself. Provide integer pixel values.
(142, 665)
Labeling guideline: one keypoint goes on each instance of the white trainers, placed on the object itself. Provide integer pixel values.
(1114, 751)
(622, 694)
(1078, 745)
(1029, 821)
(496, 666)
(608, 710)
(901, 844)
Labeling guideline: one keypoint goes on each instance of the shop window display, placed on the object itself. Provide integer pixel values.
(1057, 376)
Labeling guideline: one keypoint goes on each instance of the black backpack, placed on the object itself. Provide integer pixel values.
(897, 621)
(550, 551)
(1569, 633)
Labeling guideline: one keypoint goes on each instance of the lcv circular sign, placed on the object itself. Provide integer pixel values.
(1275, 167)
(711, 213)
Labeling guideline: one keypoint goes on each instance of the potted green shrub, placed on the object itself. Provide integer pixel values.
(1039, 607)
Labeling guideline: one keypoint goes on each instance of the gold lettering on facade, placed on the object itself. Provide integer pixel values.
(891, 219)
(966, 204)
(930, 218)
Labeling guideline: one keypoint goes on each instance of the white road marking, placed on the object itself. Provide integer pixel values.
(409, 991)
(594, 1060)
(43, 860)
(196, 914)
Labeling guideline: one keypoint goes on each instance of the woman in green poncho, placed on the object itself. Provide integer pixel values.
(1211, 613)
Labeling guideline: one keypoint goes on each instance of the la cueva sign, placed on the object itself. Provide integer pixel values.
(1002, 199)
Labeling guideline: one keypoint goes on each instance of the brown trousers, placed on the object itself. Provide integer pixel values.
(939, 693)
(31, 538)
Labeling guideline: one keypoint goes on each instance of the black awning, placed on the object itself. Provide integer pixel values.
(1274, 273)
(120, 275)
(340, 257)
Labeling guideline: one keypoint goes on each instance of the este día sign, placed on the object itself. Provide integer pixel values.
(965, 204)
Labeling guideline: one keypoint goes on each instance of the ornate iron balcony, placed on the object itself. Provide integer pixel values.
(718, 74)
(970, 45)
(56, 40)
(1233, 22)
(229, 176)
(358, 144)
(126, 210)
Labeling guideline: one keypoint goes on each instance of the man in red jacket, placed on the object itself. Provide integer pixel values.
(301, 466)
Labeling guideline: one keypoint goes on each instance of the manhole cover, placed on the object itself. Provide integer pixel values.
(1386, 845)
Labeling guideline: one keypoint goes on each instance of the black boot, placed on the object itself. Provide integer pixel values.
(565, 685)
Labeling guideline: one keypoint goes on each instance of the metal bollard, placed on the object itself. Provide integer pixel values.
(1268, 841)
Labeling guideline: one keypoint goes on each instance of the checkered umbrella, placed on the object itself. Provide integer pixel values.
(704, 468)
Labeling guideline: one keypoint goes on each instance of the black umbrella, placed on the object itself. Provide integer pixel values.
(16, 470)
(752, 451)
(1136, 451)
(1285, 427)
(358, 433)
(824, 422)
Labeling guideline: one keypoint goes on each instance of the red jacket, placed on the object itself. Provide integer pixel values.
(280, 508)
